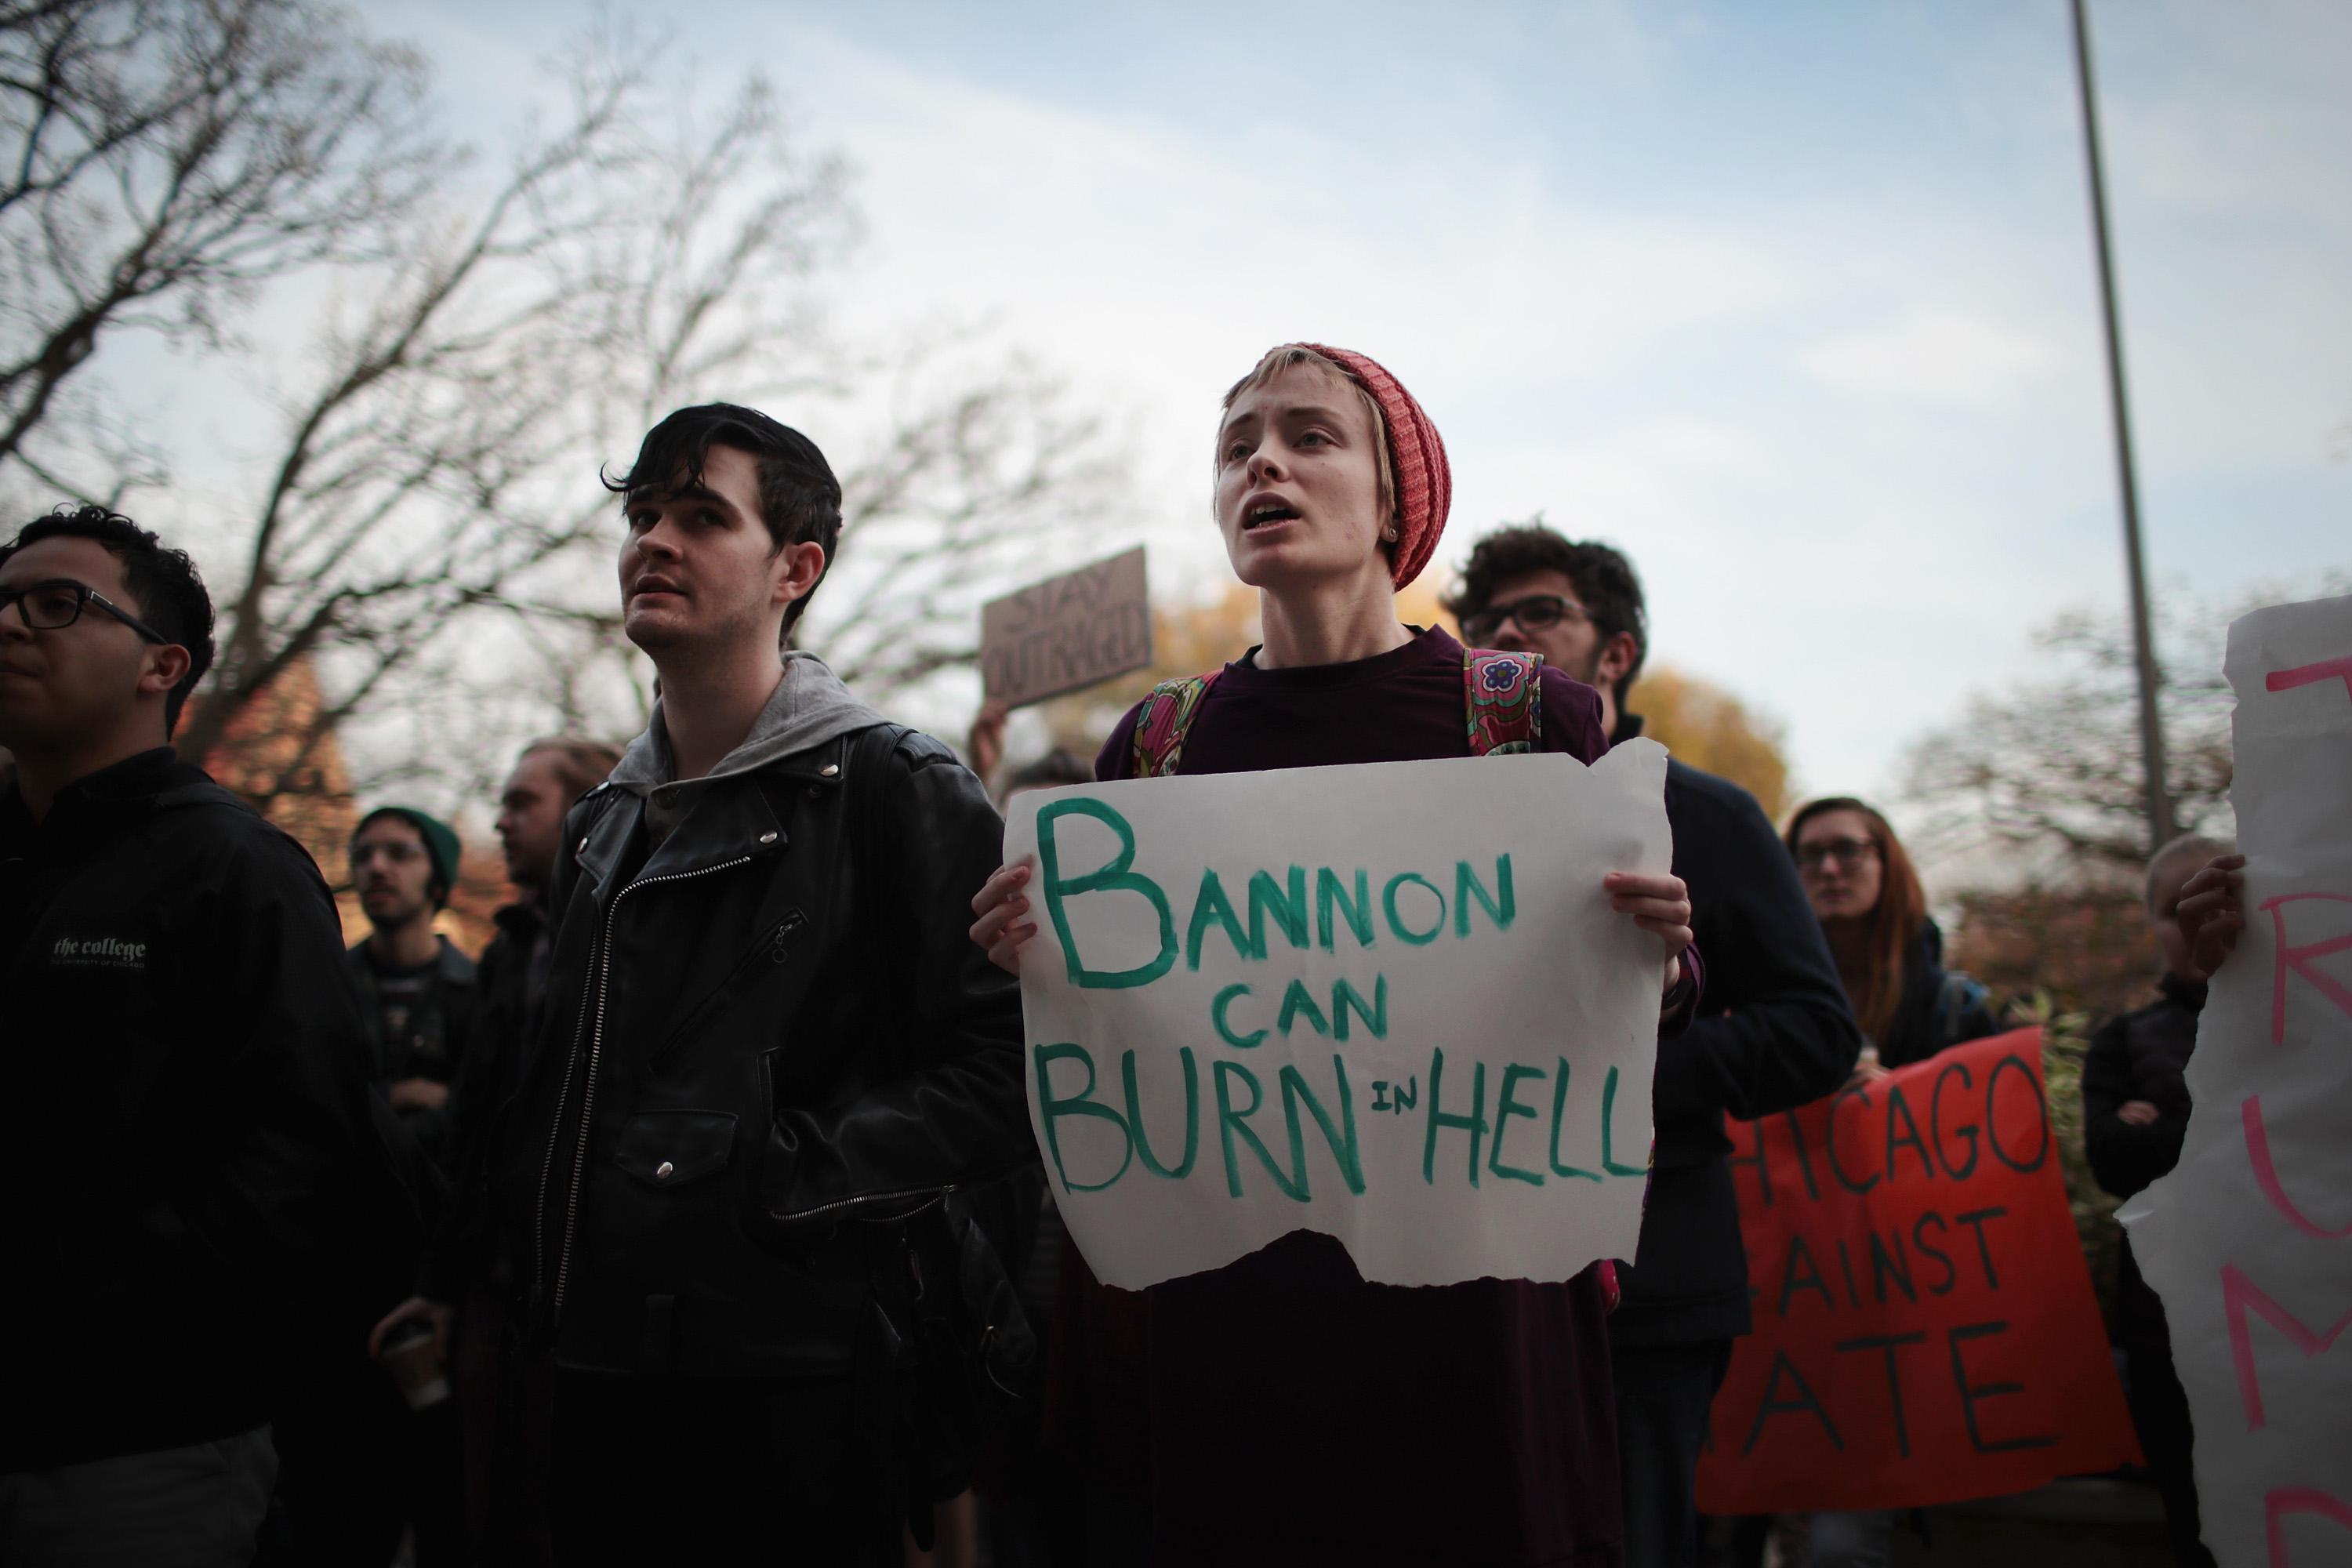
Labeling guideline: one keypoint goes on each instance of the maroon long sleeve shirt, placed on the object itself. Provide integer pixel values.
(1299, 1415)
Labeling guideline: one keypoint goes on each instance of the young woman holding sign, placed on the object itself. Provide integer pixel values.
(1299, 1415)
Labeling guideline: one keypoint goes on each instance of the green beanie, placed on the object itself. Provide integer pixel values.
(441, 844)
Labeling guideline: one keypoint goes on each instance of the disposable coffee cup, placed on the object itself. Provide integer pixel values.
(415, 1365)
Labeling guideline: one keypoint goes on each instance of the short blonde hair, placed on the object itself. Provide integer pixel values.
(1289, 356)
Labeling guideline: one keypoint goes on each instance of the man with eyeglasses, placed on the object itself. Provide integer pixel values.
(1776, 1031)
(191, 1185)
(416, 989)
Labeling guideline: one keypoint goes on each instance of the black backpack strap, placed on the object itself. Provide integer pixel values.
(943, 1344)
(872, 852)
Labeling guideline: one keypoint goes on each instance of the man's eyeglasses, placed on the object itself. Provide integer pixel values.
(56, 604)
(1535, 613)
(1844, 851)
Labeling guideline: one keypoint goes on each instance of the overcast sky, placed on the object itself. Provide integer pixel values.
(1795, 302)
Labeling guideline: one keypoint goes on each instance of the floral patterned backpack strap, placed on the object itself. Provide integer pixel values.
(1502, 697)
(1162, 720)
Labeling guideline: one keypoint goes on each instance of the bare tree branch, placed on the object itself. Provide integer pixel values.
(2049, 768)
(977, 488)
(438, 465)
(160, 160)
(423, 538)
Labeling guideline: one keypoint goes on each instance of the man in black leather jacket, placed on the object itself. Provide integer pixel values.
(768, 1054)
(1774, 1031)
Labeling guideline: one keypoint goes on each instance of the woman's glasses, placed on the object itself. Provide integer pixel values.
(1844, 851)
(53, 605)
(1535, 613)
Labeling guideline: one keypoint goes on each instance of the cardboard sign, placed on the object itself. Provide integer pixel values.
(1925, 1327)
(1387, 1003)
(1066, 632)
(2249, 1240)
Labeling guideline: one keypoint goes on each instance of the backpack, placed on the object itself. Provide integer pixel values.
(1502, 710)
(1963, 1010)
(1502, 705)
(945, 1351)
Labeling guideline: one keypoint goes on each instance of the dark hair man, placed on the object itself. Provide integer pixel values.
(769, 1052)
(416, 989)
(190, 1178)
(1777, 1031)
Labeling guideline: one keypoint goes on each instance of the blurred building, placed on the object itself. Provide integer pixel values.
(277, 755)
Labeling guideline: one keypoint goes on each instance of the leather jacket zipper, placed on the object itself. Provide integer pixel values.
(593, 1020)
(772, 947)
(847, 1207)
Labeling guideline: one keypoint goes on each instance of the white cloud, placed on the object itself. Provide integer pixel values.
(1939, 358)
(1847, 413)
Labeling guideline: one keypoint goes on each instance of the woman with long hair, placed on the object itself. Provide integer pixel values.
(1866, 894)
(1889, 953)
(1297, 1414)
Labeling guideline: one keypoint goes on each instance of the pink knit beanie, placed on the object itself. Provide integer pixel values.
(1424, 484)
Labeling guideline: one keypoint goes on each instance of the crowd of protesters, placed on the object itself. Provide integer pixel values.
(698, 1219)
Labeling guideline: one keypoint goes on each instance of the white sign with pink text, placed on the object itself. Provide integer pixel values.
(2249, 1240)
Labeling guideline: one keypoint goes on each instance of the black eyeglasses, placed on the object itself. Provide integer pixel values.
(1535, 613)
(1844, 851)
(56, 604)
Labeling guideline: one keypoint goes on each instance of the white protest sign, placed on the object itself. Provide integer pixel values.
(1389, 1003)
(2249, 1240)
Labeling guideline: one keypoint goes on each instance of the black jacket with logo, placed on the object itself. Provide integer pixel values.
(1773, 1032)
(758, 1032)
(193, 1181)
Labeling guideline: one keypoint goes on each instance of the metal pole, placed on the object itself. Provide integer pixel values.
(2151, 722)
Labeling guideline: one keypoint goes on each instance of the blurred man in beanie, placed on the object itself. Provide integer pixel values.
(1774, 1032)
(361, 1468)
(195, 1196)
(416, 989)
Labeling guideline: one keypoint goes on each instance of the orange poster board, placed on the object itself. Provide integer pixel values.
(1925, 1327)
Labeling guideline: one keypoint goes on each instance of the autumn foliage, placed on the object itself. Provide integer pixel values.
(1710, 729)
(267, 754)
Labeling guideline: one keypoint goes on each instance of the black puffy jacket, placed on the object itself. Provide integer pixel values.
(194, 1182)
(768, 1029)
